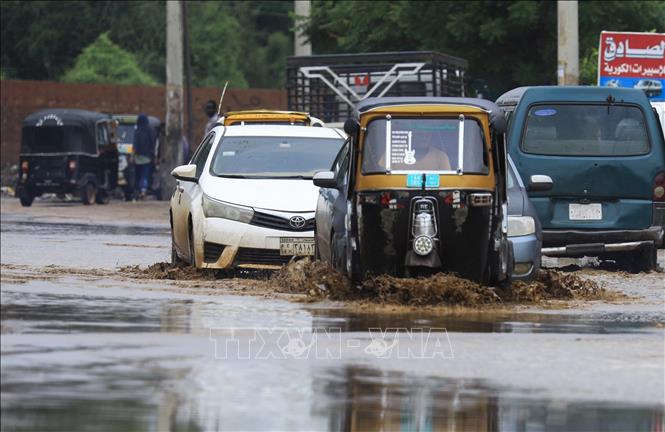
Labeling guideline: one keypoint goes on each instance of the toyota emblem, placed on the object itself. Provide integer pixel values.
(297, 222)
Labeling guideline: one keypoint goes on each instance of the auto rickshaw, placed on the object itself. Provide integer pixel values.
(419, 188)
(68, 151)
(126, 168)
(270, 117)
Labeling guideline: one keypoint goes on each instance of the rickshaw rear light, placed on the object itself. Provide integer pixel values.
(24, 167)
(480, 199)
(423, 245)
(659, 187)
(71, 165)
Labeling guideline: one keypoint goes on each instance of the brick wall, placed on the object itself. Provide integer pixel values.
(20, 98)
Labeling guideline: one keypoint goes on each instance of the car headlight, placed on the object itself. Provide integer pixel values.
(214, 208)
(521, 226)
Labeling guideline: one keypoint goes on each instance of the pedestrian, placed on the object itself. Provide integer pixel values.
(211, 112)
(144, 152)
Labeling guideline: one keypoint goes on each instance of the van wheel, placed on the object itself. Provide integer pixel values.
(644, 259)
(102, 197)
(88, 194)
(26, 200)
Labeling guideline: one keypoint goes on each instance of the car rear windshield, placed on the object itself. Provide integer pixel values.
(423, 145)
(274, 157)
(585, 130)
(51, 139)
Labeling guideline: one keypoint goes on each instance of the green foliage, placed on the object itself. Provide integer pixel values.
(104, 62)
(216, 55)
(507, 43)
(245, 42)
(589, 68)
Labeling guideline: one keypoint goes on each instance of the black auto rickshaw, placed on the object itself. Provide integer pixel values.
(68, 151)
(419, 187)
(126, 168)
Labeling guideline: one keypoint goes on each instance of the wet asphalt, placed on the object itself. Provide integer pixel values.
(111, 354)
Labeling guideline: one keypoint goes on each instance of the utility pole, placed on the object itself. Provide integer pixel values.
(302, 46)
(188, 72)
(568, 52)
(171, 153)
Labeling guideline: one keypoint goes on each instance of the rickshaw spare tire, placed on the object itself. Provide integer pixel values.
(88, 194)
(102, 197)
(26, 200)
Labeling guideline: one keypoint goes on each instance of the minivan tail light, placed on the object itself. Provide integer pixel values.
(659, 187)
(24, 167)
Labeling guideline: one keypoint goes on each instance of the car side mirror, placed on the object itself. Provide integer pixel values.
(351, 127)
(540, 183)
(185, 173)
(325, 179)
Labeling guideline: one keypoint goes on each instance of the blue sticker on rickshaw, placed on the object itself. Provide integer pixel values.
(416, 180)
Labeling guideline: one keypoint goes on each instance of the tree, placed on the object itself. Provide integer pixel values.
(104, 62)
(216, 46)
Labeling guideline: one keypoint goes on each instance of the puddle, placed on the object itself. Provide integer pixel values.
(105, 397)
(59, 229)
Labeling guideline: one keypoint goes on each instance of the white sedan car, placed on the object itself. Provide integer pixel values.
(246, 199)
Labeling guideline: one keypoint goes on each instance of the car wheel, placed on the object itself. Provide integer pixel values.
(88, 194)
(102, 197)
(26, 200)
(175, 259)
(192, 253)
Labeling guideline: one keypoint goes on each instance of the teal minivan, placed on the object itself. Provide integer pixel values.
(593, 160)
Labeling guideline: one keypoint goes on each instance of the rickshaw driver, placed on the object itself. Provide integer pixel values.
(434, 159)
(428, 154)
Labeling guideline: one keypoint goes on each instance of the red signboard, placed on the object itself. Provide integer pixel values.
(635, 55)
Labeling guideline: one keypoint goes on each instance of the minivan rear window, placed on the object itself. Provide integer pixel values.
(585, 130)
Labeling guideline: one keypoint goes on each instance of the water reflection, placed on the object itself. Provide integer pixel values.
(363, 399)
(480, 322)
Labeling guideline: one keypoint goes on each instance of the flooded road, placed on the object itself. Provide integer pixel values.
(102, 351)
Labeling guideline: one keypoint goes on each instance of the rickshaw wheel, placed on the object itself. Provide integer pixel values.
(102, 197)
(88, 194)
(26, 200)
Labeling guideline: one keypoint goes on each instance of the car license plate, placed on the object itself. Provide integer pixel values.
(296, 246)
(585, 212)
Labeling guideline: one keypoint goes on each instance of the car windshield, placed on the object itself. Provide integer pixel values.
(585, 130)
(274, 157)
(423, 145)
(126, 133)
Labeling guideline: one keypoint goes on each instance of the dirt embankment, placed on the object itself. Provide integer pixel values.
(318, 280)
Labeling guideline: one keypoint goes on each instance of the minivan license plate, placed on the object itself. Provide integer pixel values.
(585, 212)
(296, 246)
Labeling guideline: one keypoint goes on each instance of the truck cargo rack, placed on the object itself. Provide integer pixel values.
(329, 86)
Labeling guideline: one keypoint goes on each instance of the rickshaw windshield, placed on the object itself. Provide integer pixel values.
(434, 145)
(53, 139)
